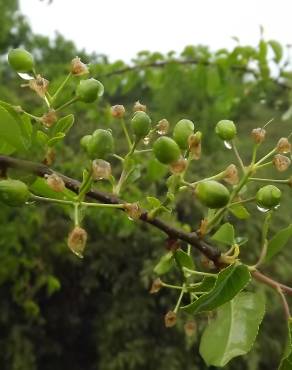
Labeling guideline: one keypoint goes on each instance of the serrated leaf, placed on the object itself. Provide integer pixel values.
(233, 332)
(225, 234)
(239, 211)
(230, 282)
(184, 259)
(278, 242)
(10, 132)
(165, 263)
(286, 362)
(63, 125)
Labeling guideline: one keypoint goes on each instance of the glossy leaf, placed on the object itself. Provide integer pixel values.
(230, 282)
(278, 242)
(63, 125)
(165, 263)
(286, 362)
(239, 211)
(225, 234)
(206, 285)
(233, 331)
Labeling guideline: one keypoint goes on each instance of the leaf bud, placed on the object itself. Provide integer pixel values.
(231, 175)
(49, 118)
(195, 145)
(162, 127)
(118, 111)
(283, 146)
(138, 107)
(281, 162)
(156, 286)
(170, 319)
(258, 135)
(77, 241)
(133, 210)
(178, 166)
(101, 169)
(78, 68)
(55, 182)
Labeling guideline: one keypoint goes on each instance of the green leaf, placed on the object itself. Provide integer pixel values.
(233, 332)
(278, 242)
(206, 285)
(225, 234)
(184, 259)
(240, 240)
(230, 282)
(63, 125)
(239, 211)
(54, 140)
(277, 49)
(41, 188)
(153, 202)
(10, 131)
(286, 362)
(165, 263)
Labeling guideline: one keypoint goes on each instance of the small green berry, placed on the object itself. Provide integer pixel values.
(226, 129)
(212, 194)
(141, 124)
(100, 145)
(85, 140)
(166, 150)
(182, 131)
(268, 196)
(13, 192)
(20, 60)
(89, 90)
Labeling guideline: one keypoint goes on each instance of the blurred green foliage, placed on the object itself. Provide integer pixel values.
(58, 312)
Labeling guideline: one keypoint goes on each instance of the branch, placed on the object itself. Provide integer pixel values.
(174, 233)
(271, 282)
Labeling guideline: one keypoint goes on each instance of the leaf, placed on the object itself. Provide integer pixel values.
(239, 211)
(165, 263)
(278, 242)
(206, 285)
(225, 234)
(233, 332)
(41, 188)
(153, 202)
(277, 49)
(63, 125)
(184, 259)
(286, 362)
(230, 282)
(10, 131)
(54, 140)
(240, 240)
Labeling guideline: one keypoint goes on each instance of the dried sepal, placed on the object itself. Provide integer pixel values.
(56, 183)
(190, 328)
(77, 241)
(231, 175)
(139, 107)
(258, 135)
(50, 157)
(170, 319)
(118, 111)
(195, 145)
(78, 68)
(281, 162)
(162, 127)
(283, 146)
(39, 85)
(156, 286)
(178, 166)
(133, 210)
(101, 169)
(50, 118)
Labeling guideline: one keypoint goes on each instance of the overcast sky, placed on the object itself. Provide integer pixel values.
(120, 28)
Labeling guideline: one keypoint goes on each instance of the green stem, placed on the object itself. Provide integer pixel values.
(269, 180)
(264, 165)
(65, 105)
(129, 141)
(265, 157)
(32, 116)
(179, 299)
(76, 214)
(102, 205)
(171, 286)
(85, 187)
(60, 88)
(236, 152)
(242, 201)
(200, 273)
(52, 200)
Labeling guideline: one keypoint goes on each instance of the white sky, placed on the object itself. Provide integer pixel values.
(120, 28)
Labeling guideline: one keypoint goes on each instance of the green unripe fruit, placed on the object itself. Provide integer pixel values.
(166, 150)
(85, 140)
(20, 60)
(268, 196)
(100, 145)
(212, 194)
(182, 130)
(141, 124)
(13, 192)
(89, 90)
(225, 129)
